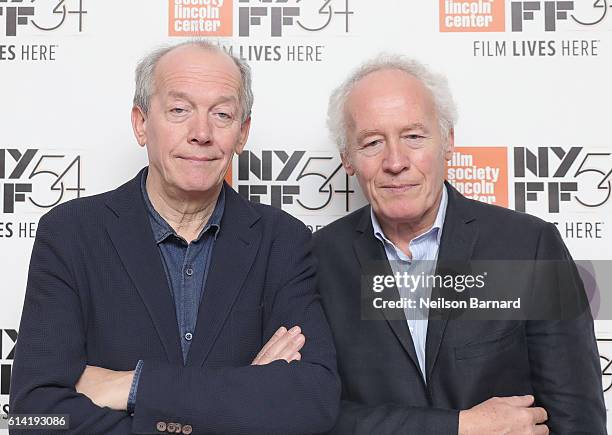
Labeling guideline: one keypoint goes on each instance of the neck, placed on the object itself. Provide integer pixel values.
(186, 213)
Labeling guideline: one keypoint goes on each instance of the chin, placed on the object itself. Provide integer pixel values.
(399, 212)
(404, 216)
(195, 186)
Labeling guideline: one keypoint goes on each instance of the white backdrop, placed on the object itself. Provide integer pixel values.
(531, 82)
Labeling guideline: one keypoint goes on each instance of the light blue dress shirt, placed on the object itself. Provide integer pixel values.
(424, 250)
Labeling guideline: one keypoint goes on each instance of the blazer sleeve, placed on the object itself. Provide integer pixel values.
(359, 419)
(50, 354)
(563, 355)
(278, 398)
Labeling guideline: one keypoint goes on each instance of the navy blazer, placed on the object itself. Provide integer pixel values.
(467, 362)
(97, 294)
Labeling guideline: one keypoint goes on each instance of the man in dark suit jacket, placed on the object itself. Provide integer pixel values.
(393, 122)
(164, 305)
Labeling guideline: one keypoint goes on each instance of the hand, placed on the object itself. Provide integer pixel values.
(106, 388)
(283, 345)
(504, 415)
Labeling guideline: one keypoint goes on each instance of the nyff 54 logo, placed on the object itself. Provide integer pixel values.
(519, 16)
(41, 15)
(299, 182)
(38, 179)
(8, 339)
(561, 179)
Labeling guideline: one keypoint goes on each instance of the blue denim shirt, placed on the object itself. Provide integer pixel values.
(186, 265)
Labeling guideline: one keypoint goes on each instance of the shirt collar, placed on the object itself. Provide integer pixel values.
(162, 229)
(435, 228)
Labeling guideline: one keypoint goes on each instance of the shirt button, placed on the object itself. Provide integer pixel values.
(188, 336)
(189, 271)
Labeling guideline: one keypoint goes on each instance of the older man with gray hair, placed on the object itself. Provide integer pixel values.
(172, 304)
(418, 373)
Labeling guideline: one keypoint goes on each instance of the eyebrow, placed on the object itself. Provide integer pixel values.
(179, 95)
(183, 96)
(365, 133)
(226, 99)
(414, 126)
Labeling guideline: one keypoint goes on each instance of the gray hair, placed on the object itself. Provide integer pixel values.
(145, 75)
(435, 83)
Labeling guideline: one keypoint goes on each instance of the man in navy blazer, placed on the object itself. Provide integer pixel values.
(172, 304)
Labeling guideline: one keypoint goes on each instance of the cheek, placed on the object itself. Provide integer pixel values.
(432, 167)
(159, 136)
(366, 168)
(367, 181)
(227, 140)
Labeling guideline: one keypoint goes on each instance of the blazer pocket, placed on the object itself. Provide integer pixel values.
(490, 345)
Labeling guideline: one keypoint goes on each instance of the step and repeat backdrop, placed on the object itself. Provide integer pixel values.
(531, 80)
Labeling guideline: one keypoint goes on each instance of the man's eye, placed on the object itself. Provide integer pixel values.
(372, 143)
(414, 136)
(178, 110)
(224, 115)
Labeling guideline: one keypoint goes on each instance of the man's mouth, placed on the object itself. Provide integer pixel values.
(399, 187)
(197, 159)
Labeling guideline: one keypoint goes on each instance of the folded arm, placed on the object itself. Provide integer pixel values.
(50, 354)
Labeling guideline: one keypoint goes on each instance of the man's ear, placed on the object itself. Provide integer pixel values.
(346, 162)
(139, 125)
(450, 146)
(244, 135)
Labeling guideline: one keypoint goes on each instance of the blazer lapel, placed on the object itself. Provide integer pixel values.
(372, 258)
(459, 236)
(233, 254)
(130, 231)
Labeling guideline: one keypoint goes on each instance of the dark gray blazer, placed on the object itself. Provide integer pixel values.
(467, 362)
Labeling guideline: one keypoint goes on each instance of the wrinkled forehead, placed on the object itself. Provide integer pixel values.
(197, 65)
(388, 91)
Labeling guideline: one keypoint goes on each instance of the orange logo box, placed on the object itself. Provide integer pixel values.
(472, 15)
(480, 173)
(229, 177)
(200, 17)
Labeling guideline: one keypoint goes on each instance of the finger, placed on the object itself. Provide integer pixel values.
(295, 345)
(541, 429)
(273, 351)
(522, 401)
(291, 346)
(282, 342)
(280, 332)
(295, 357)
(539, 415)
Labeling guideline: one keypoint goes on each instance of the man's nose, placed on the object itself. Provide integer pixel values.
(200, 132)
(396, 158)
